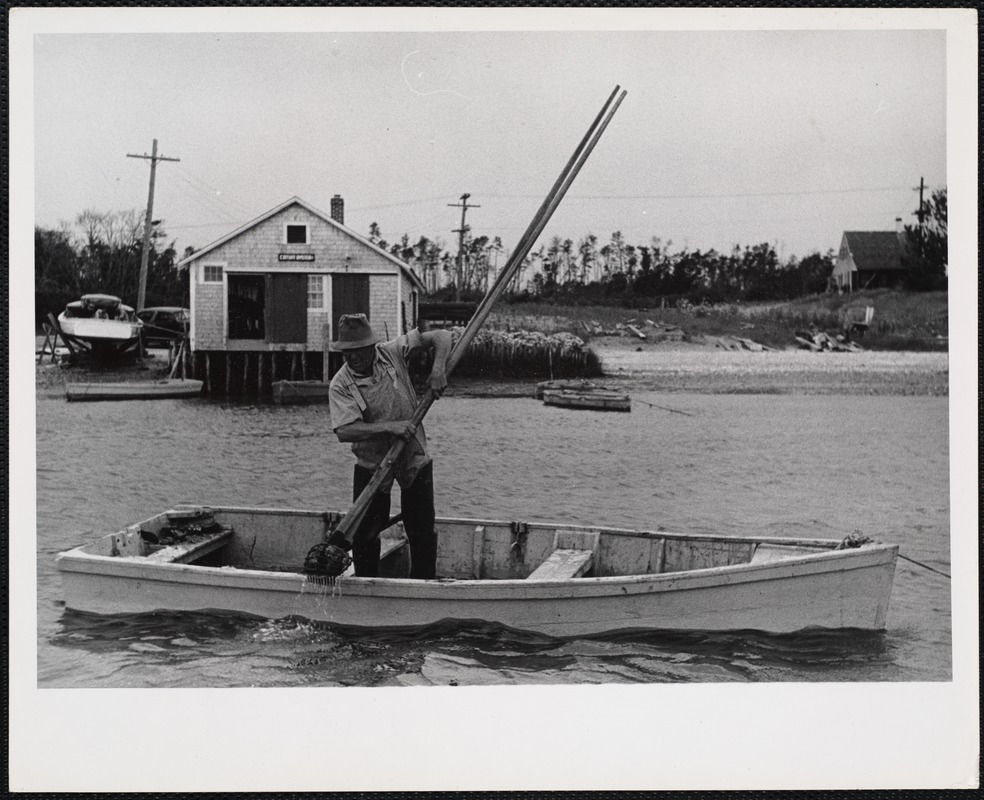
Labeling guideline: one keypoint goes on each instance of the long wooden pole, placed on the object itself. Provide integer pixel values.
(557, 187)
(345, 530)
(533, 232)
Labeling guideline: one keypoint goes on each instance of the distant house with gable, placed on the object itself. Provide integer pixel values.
(870, 260)
(266, 298)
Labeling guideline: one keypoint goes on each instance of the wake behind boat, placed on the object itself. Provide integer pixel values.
(559, 580)
(100, 323)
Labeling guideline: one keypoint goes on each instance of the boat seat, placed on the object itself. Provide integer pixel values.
(572, 557)
(768, 553)
(388, 546)
(184, 552)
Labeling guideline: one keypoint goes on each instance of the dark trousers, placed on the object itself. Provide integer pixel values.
(417, 502)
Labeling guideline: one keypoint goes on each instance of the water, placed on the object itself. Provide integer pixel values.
(779, 465)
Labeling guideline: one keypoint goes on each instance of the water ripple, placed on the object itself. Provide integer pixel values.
(781, 465)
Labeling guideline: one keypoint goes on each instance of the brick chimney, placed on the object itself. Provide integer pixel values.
(338, 209)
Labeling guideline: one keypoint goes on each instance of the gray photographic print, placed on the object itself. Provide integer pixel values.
(414, 358)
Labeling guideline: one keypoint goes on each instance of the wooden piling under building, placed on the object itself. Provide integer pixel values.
(250, 374)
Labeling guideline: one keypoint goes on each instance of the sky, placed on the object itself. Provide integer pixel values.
(726, 137)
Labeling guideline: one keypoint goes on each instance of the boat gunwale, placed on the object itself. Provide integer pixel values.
(567, 526)
(826, 559)
(137, 567)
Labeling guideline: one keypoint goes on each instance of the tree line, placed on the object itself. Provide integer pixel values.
(594, 271)
(100, 252)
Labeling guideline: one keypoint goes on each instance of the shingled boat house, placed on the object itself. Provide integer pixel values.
(266, 298)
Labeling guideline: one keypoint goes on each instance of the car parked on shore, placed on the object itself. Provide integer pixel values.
(164, 324)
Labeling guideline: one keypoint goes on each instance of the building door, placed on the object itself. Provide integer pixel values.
(286, 308)
(246, 306)
(349, 295)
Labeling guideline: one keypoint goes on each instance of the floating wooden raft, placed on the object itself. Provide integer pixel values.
(569, 384)
(590, 399)
(292, 392)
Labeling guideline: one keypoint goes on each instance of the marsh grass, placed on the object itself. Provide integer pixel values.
(498, 353)
(492, 361)
(902, 320)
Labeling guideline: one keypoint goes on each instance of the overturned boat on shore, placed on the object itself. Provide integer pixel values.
(554, 579)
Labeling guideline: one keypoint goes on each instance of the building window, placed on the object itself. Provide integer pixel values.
(211, 274)
(296, 234)
(316, 293)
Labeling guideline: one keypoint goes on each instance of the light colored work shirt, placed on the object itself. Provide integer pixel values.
(385, 396)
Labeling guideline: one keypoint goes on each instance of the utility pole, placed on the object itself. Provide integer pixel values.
(921, 213)
(461, 241)
(148, 222)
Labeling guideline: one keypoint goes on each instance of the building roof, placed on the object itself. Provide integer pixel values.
(318, 213)
(875, 250)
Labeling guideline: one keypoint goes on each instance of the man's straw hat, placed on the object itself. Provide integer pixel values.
(354, 332)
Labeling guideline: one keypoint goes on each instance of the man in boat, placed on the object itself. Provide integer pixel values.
(371, 399)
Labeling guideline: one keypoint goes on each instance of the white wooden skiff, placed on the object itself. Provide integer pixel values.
(166, 388)
(559, 580)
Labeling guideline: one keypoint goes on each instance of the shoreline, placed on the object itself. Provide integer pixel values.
(646, 367)
(687, 367)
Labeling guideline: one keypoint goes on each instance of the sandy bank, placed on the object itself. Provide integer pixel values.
(695, 368)
(636, 366)
(665, 367)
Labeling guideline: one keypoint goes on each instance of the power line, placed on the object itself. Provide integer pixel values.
(240, 209)
(706, 195)
(206, 187)
(212, 192)
(402, 203)
(202, 225)
(214, 203)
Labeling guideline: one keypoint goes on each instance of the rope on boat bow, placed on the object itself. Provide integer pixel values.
(853, 540)
(925, 566)
(857, 539)
(667, 408)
